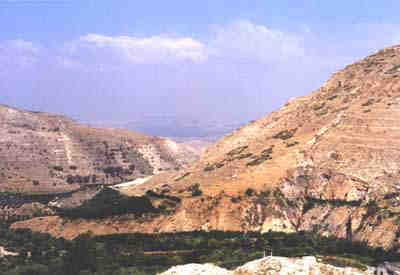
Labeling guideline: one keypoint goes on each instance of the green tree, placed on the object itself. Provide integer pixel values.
(81, 256)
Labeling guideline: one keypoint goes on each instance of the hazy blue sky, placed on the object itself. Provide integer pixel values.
(118, 61)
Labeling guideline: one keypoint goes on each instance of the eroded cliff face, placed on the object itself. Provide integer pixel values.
(327, 162)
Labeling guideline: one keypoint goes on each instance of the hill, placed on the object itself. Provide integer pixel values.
(327, 162)
(44, 153)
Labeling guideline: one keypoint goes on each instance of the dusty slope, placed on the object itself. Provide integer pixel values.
(44, 153)
(327, 162)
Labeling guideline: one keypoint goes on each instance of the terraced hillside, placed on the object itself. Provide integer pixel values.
(45, 153)
(327, 162)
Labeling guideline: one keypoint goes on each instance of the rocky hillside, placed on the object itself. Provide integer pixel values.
(269, 265)
(45, 153)
(327, 162)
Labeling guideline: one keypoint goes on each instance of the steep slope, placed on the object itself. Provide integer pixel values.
(45, 153)
(326, 162)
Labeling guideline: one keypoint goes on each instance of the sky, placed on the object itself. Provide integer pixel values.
(120, 62)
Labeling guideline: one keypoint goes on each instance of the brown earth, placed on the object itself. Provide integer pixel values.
(327, 162)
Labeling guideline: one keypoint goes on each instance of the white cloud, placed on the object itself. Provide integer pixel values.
(246, 40)
(146, 50)
(241, 41)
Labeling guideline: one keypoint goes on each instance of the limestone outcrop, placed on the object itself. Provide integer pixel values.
(4, 252)
(273, 266)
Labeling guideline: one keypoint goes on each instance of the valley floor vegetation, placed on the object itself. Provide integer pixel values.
(152, 253)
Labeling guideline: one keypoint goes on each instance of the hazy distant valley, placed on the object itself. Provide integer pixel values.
(178, 128)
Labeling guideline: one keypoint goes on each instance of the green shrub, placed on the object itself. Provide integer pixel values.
(31, 269)
(183, 176)
(151, 193)
(167, 205)
(79, 179)
(372, 208)
(285, 134)
(308, 205)
(250, 192)
(322, 112)
(196, 193)
(280, 199)
(70, 179)
(310, 201)
(58, 168)
(237, 150)
(236, 199)
(259, 160)
(110, 202)
(243, 156)
(267, 151)
(209, 167)
(113, 171)
(291, 144)
(332, 97)
(368, 102)
(318, 106)
(195, 189)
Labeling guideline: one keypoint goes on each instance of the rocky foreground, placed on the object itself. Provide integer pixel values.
(270, 265)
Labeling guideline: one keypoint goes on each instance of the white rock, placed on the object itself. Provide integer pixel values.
(270, 266)
(196, 269)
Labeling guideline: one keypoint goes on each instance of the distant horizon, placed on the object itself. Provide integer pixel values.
(189, 130)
